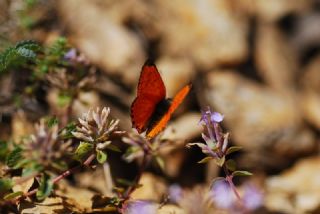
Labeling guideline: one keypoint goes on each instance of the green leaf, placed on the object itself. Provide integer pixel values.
(4, 150)
(113, 148)
(52, 121)
(63, 99)
(12, 195)
(45, 187)
(231, 165)
(101, 156)
(118, 190)
(5, 184)
(24, 52)
(17, 54)
(100, 201)
(130, 152)
(205, 160)
(66, 132)
(160, 162)
(83, 150)
(14, 158)
(124, 182)
(233, 149)
(28, 44)
(31, 167)
(60, 165)
(220, 161)
(58, 48)
(7, 57)
(27, 22)
(241, 173)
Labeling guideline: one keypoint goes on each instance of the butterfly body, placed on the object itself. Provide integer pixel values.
(151, 111)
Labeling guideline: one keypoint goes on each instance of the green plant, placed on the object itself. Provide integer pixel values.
(19, 54)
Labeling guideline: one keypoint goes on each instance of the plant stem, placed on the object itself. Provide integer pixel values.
(232, 186)
(58, 178)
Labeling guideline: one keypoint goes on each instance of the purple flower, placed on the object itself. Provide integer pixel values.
(137, 207)
(175, 193)
(222, 195)
(205, 117)
(216, 141)
(252, 197)
(71, 54)
(209, 117)
(216, 117)
(74, 57)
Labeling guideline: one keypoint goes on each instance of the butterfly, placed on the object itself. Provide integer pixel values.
(151, 111)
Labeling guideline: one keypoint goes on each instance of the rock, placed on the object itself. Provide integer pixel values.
(86, 100)
(259, 118)
(93, 180)
(311, 79)
(208, 33)
(273, 10)
(178, 133)
(310, 103)
(20, 126)
(309, 97)
(170, 208)
(77, 198)
(106, 43)
(289, 193)
(49, 205)
(307, 33)
(196, 200)
(153, 188)
(276, 60)
(183, 129)
(175, 73)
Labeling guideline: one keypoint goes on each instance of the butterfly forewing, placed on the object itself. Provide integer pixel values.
(150, 82)
(151, 91)
(141, 112)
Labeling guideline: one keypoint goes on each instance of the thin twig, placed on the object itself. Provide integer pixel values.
(226, 171)
(58, 178)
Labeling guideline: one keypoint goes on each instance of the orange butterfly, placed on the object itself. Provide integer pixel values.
(151, 111)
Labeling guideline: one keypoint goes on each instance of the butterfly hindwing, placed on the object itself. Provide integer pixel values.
(151, 91)
(161, 124)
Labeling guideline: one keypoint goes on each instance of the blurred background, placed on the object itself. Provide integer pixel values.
(257, 62)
